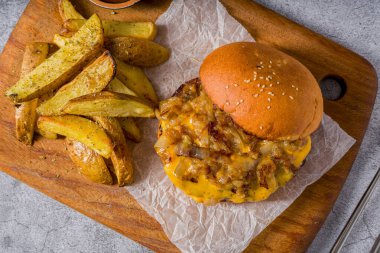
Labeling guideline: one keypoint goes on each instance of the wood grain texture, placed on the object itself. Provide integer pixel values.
(47, 167)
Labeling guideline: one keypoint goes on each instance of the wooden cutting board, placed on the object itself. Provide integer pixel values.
(47, 168)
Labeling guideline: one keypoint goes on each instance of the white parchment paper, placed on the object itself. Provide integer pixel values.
(192, 29)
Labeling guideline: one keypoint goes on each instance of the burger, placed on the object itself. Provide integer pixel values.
(241, 130)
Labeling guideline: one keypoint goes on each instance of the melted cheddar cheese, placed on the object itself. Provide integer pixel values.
(211, 159)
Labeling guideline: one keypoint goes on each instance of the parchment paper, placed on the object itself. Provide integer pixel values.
(192, 29)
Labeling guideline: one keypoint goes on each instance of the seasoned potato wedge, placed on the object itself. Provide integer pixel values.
(139, 52)
(62, 65)
(26, 115)
(94, 78)
(135, 79)
(67, 11)
(90, 164)
(80, 129)
(130, 129)
(121, 156)
(110, 104)
(61, 40)
(113, 28)
(46, 134)
(35, 53)
(117, 86)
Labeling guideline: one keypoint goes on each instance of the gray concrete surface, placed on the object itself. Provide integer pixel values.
(32, 222)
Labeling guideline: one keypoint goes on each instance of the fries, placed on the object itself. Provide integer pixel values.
(117, 86)
(61, 40)
(62, 65)
(82, 78)
(110, 104)
(130, 129)
(139, 52)
(80, 129)
(92, 79)
(46, 134)
(121, 156)
(67, 10)
(135, 79)
(91, 164)
(26, 115)
(113, 28)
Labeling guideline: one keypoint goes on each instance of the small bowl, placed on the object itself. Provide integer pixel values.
(114, 5)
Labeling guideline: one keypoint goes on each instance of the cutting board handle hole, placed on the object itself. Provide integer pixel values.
(333, 87)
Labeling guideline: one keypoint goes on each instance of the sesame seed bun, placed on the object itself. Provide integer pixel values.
(267, 92)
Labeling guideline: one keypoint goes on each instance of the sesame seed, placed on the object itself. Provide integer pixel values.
(227, 103)
(293, 86)
(271, 93)
(268, 99)
(258, 85)
(296, 89)
(227, 86)
(283, 94)
(261, 62)
(261, 90)
(236, 85)
(247, 81)
(273, 73)
(291, 97)
(268, 107)
(254, 72)
(266, 78)
(263, 86)
(270, 66)
(241, 100)
(237, 103)
(270, 85)
(261, 127)
(261, 77)
(113, 12)
(254, 78)
(278, 82)
(256, 95)
(270, 62)
(270, 77)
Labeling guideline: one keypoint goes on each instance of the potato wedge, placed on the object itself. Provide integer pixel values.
(121, 156)
(61, 40)
(130, 129)
(62, 65)
(113, 28)
(35, 53)
(46, 134)
(90, 164)
(80, 129)
(110, 104)
(139, 52)
(94, 78)
(26, 115)
(117, 86)
(135, 79)
(67, 11)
